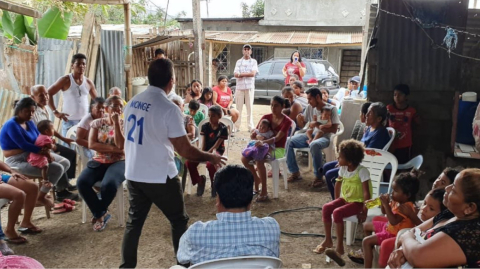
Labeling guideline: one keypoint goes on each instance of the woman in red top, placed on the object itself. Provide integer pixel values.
(222, 96)
(294, 67)
(280, 125)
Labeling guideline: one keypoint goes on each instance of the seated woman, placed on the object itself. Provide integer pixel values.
(280, 125)
(23, 194)
(187, 119)
(108, 165)
(223, 97)
(295, 107)
(375, 136)
(97, 111)
(17, 140)
(195, 91)
(299, 91)
(451, 237)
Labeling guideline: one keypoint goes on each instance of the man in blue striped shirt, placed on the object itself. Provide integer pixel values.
(235, 232)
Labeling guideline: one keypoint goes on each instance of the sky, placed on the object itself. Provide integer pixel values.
(216, 8)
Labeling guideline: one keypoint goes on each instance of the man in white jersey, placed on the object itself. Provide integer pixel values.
(75, 87)
(154, 128)
(245, 70)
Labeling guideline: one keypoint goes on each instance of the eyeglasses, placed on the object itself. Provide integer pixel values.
(79, 91)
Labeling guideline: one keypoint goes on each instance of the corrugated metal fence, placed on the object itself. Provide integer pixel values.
(52, 59)
(110, 68)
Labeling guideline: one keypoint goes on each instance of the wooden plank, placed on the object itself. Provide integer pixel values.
(19, 9)
(87, 32)
(92, 70)
(100, 2)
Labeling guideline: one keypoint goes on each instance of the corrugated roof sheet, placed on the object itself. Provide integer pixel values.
(291, 38)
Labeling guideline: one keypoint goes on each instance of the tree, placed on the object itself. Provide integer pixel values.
(255, 10)
(258, 8)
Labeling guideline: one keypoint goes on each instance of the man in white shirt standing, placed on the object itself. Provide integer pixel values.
(76, 88)
(154, 128)
(245, 70)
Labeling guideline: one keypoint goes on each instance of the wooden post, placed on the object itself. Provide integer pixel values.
(128, 49)
(197, 34)
(210, 52)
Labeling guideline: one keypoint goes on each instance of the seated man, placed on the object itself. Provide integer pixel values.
(236, 232)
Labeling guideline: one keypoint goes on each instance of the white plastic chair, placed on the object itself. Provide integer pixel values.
(392, 134)
(413, 163)
(375, 161)
(330, 152)
(72, 133)
(204, 110)
(281, 162)
(227, 122)
(251, 262)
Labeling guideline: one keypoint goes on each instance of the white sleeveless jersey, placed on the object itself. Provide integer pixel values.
(75, 99)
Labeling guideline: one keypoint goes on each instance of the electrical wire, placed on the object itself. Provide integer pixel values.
(433, 44)
(301, 209)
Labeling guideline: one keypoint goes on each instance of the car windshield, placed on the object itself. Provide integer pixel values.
(320, 70)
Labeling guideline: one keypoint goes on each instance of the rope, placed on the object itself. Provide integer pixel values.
(301, 209)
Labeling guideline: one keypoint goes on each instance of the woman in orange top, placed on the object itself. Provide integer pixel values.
(223, 97)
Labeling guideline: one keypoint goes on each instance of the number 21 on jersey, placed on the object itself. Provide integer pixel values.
(131, 132)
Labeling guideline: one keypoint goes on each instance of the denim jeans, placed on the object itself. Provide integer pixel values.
(2, 235)
(331, 173)
(110, 174)
(66, 125)
(316, 147)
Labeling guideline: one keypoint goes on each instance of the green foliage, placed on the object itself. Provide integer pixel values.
(7, 25)
(54, 24)
(30, 28)
(19, 29)
(255, 10)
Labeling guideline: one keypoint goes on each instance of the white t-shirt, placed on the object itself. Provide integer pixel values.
(85, 122)
(245, 66)
(150, 120)
(362, 173)
(335, 118)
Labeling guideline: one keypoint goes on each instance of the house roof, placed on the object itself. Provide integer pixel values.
(291, 38)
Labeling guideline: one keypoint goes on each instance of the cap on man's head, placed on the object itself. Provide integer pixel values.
(355, 79)
(312, 81)
(247, 46)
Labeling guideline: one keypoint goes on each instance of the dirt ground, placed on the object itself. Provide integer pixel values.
(67, 243)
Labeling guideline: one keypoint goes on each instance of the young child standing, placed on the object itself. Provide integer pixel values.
(255, 152)
(405, 188)
(46, 129)
(324, 118)
(193, 111)
(401, 118)
(213, 134)
(207, 97)
(353, 186)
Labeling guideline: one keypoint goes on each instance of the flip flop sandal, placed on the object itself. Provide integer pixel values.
(31, 230)
(294, 178)
(332, 254)
(17, 240)
(261, 199)
(66, 208)
(270, 173)
(317, 183)
(101, 225)
(69, 201)
(5, 250)
(319, 249)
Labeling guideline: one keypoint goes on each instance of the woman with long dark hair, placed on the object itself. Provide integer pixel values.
(294, 67)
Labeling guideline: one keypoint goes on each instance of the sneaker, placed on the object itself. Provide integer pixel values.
(65, 194)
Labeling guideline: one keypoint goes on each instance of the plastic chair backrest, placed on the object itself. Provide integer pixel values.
(251, 262)
(392, 133)
(413, 163)
(204, 110)
(72, 134)
(375, 161)
(341, 129)
(226, 122)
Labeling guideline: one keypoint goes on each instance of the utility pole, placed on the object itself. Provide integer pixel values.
(198, 42)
